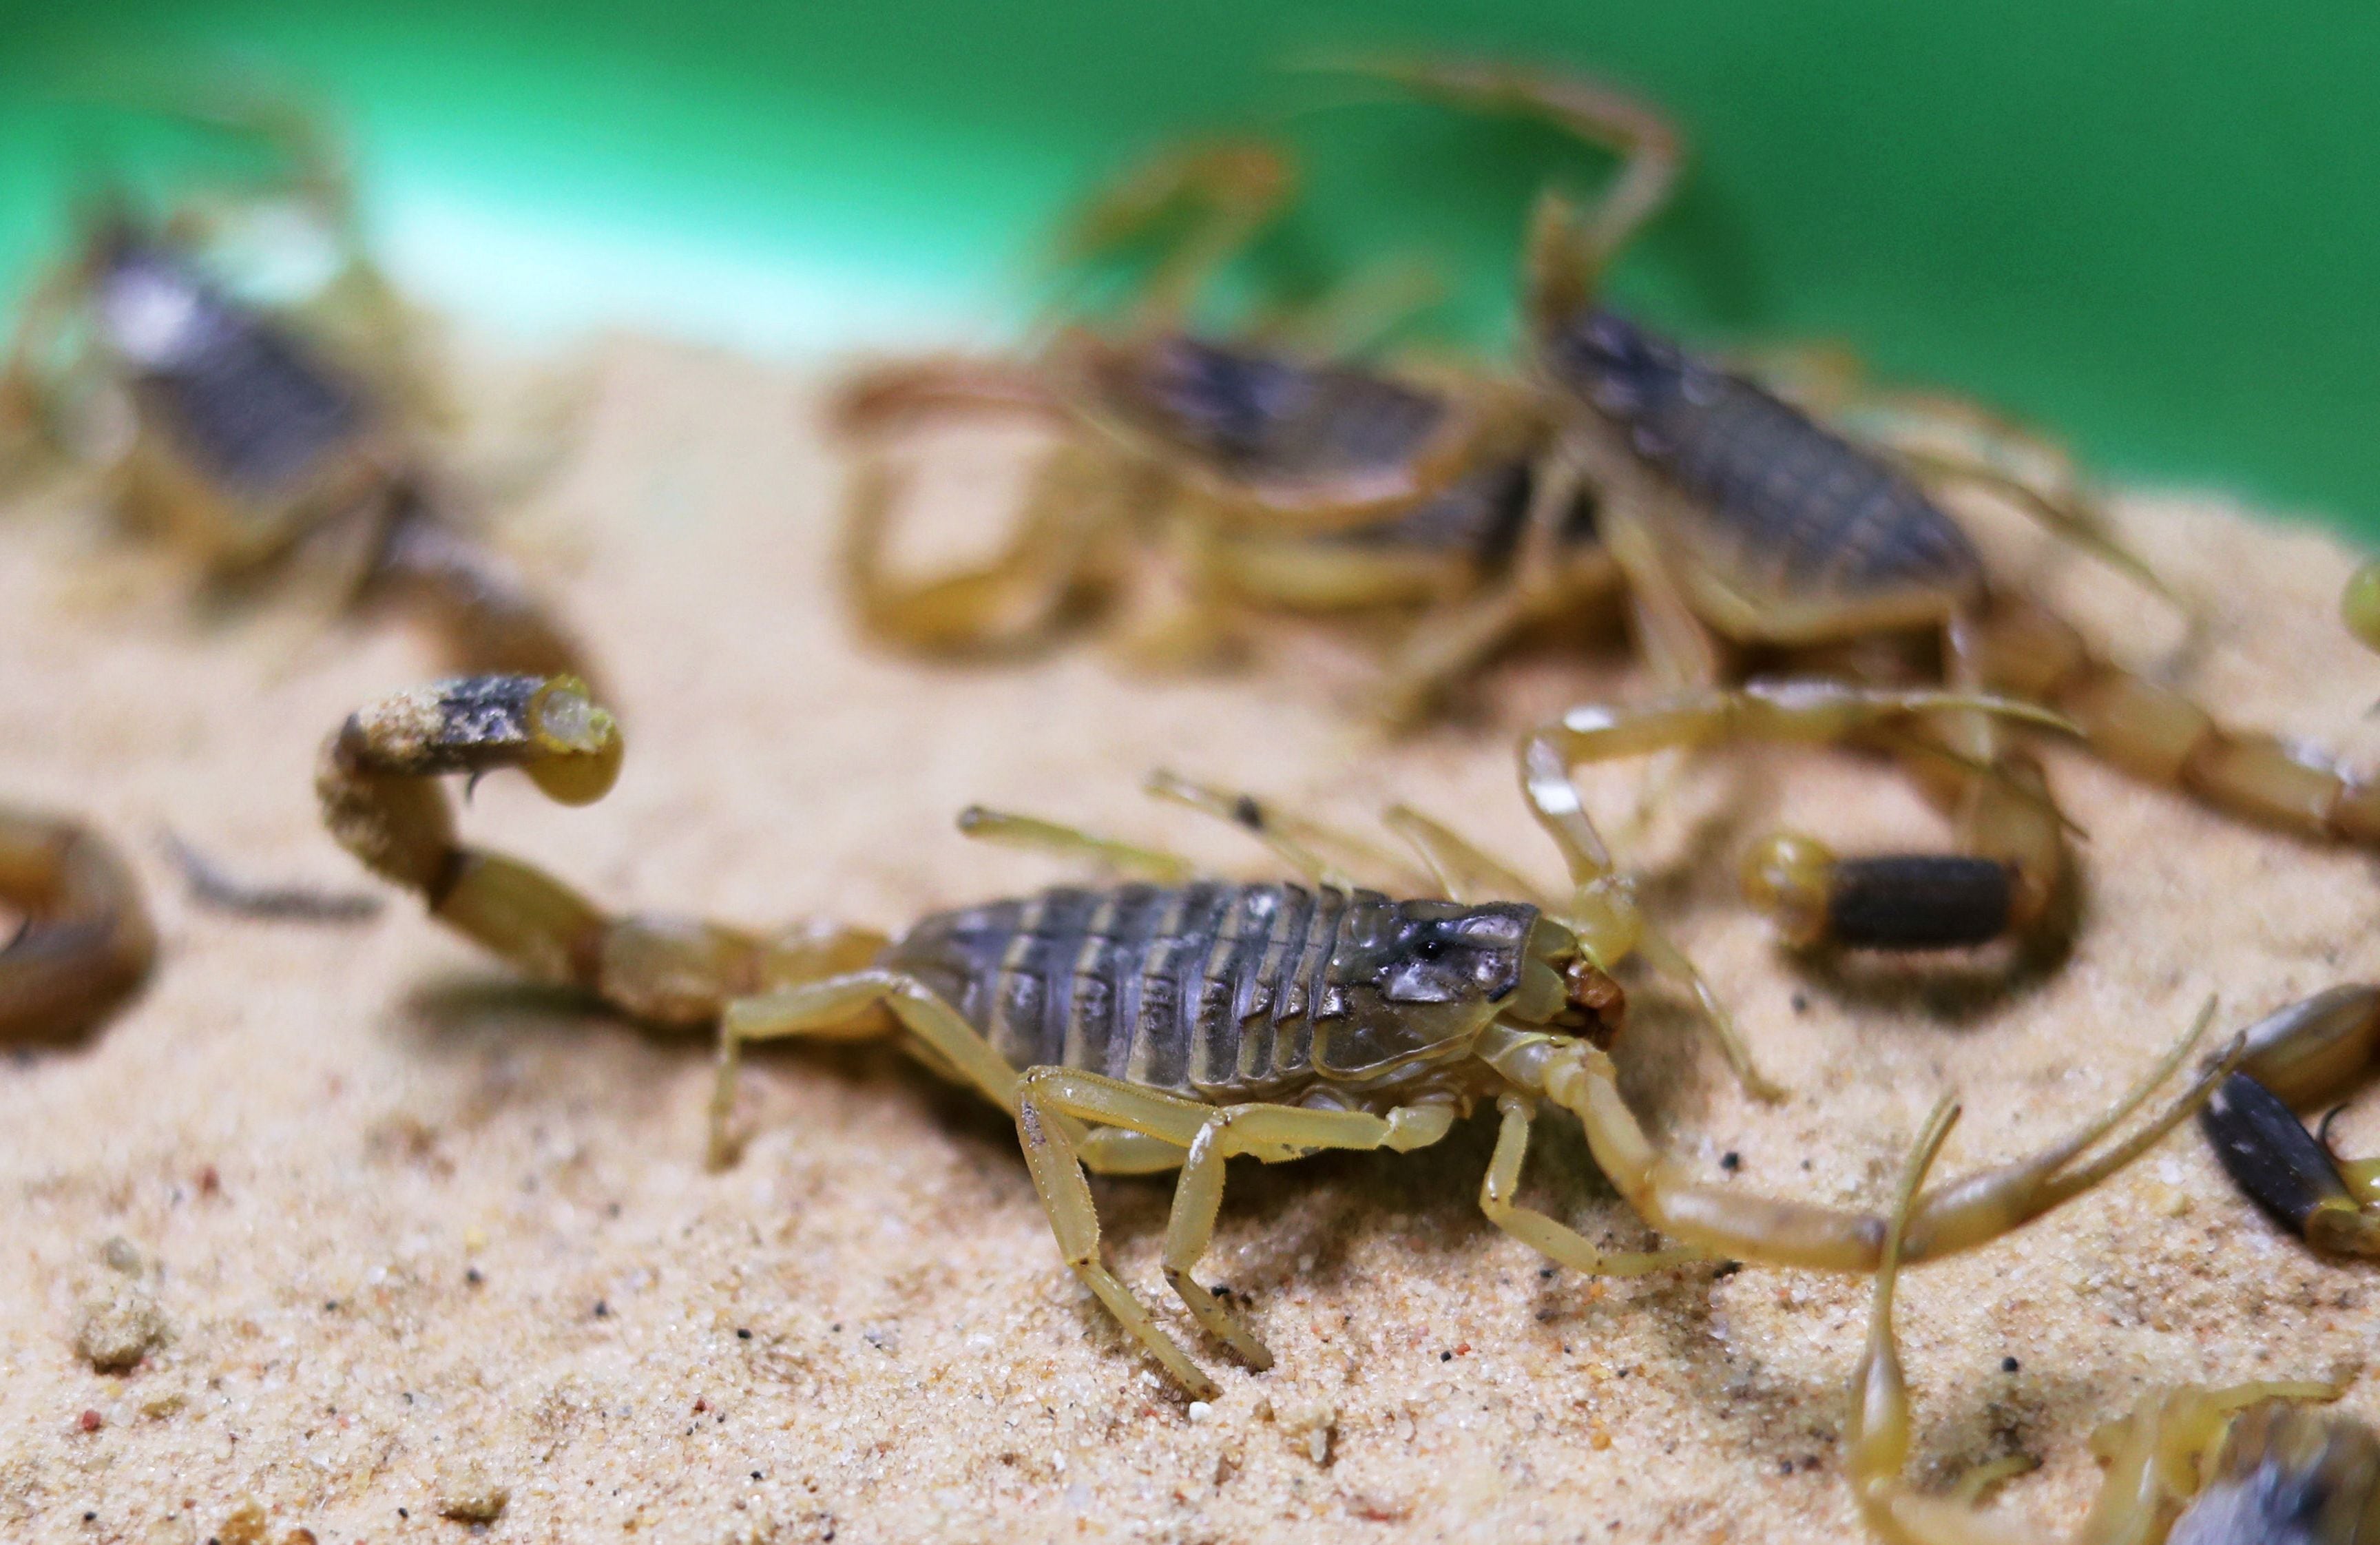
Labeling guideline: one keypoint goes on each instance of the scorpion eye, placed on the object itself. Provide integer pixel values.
(1429, 946)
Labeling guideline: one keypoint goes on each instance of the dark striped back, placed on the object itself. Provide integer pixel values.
(1796, 503)
(250, 407)
(1200, 987)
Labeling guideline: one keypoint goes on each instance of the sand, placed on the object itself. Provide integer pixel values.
(417, 1239)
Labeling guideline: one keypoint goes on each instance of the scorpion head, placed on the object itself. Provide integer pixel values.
(1617, 366)
(1416, 980)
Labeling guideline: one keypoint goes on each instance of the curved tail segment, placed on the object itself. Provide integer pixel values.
(377, 779)
(2160, 737)
(478, 603)
(85, 944)
(1569, 249)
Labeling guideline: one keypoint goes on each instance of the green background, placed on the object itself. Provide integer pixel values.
(2155, 227)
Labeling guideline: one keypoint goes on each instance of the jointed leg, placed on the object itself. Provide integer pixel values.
(1272, 1131)
(1073, 842)
(1017, 600)
(1307, 847)
(1356, 316)
(36, 377)
(1604, 910)
(1729, 1221)
(1053, 1155)
(1790, 875)
(1463, 872)
(1223, 192)
(1053, 1101)
(1541, 578)
(1948, 442)
(85, 944)
(841, 1007)
(1540, 1233)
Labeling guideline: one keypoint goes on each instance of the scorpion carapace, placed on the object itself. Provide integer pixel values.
(252, 449)
(1740, 522)
(1145, 1029)
(2247, 1465)
(83, 943)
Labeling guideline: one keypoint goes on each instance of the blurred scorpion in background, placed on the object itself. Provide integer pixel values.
(263, 442)
(1738, 530)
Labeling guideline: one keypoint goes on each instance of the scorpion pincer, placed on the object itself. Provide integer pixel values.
(2250, 1464)
(1146, 1028)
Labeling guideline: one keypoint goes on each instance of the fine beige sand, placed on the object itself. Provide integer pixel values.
(417, 1240)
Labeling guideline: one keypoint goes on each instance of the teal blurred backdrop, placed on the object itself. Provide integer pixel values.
(2153, 226)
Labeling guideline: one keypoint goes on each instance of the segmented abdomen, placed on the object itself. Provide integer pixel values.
(253, 409)
(1784, 501)
(1194, 989)
(1823, 512)
(1263, 417)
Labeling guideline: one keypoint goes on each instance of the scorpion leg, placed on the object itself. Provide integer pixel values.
(842, 1007)
(1604, 910)
(1552, 1239)
(1298, 841)
(85, 944)
(1727, 1222)
(1015, 603)
(34, 378)
(1053, 1155)
(1888, 902)
(1948, 440)
(1205, 1136)
(1072, 842)
(1278, 1131)
(2160, 737)
(2304, 1055)
(1354, 318)
(1223, 192)
(1454, 640)
(1463, 872)
(2172, 1435)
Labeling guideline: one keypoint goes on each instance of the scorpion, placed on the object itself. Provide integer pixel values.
(1165, 1025)
(239, 433)
(84, 943)
(1735, 525)
(2254, 1464)
(1204, 477)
